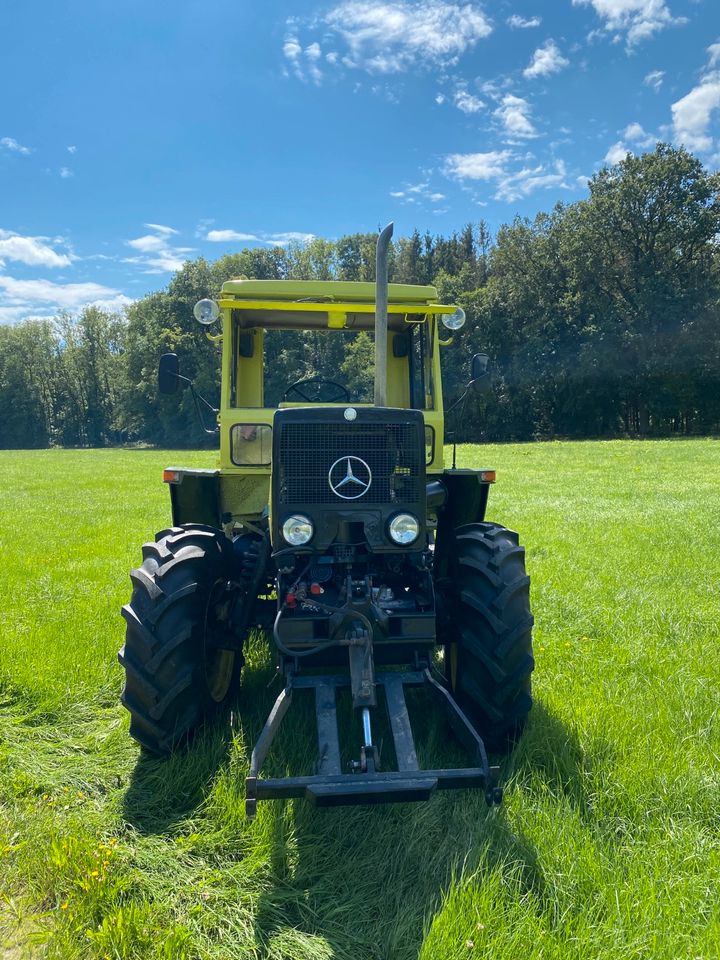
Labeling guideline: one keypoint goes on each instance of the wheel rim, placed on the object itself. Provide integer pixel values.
(218, 673)
(218, 662)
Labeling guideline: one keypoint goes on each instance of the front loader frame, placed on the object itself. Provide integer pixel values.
(366, 784)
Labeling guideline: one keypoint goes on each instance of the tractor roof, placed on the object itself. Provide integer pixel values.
(338, 291)
(333, 304)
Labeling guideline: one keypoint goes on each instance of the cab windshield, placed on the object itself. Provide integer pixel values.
(338, 366)
(318, 367)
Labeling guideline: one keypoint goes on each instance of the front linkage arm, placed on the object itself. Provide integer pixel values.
(368, 785)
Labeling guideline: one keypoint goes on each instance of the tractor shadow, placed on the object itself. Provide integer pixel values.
(353, 882)
(367, 881)
(163, 792)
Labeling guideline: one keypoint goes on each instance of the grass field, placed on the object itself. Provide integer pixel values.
(607, 845)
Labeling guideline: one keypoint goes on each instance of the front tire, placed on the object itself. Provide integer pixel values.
(182, 661)
(488, 650)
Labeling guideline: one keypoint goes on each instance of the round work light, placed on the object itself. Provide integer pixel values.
(206, 312)
(298, 530)
(404, 529)
(453, 321)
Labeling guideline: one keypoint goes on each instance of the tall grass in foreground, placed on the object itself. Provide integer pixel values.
(607, 844)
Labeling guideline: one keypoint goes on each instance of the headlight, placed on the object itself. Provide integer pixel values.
(298, 530)
(206, 312)
(404, 529)
(453, 321)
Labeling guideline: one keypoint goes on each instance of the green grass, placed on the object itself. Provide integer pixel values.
(607, 845)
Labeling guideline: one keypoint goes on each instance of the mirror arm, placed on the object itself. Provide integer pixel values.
(458, 401)
(197, 395)
(197, 399)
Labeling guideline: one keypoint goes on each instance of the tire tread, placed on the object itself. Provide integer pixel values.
(165, 689)
(492, 624)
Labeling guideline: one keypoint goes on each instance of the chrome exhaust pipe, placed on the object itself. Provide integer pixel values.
(381, 318)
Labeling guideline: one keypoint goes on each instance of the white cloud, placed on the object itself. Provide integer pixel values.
(33, 251)
(467, 102)
(514, 114)
(304, 62)
(477, 166)
(520, 23)
(713, 54)
(312, 54)
(202, 227)
(634, 133)
(148, 244)
(160, 228)
(392, 36)
(691, 114)
(15, 314)
(440, 99)
(292, 236)
(292, 48)
(528, 180)
(273, 239)
(617, 152)
(229, 236)
(162, 263)
(417, 192)
(158, 255)
(637, 19)
(72, 148)
(32, 297)
(510, 185)
(546, 60)
(654, 79)
(65, 173)
(10, 143)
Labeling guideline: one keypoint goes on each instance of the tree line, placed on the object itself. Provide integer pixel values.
(601, 318)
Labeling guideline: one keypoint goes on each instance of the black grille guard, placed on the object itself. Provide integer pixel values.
(307, 452)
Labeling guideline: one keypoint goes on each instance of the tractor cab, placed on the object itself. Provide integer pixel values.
(264, 319)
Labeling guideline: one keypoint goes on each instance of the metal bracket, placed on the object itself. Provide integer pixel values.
(260, 751)
(362, 668)
(332, 787)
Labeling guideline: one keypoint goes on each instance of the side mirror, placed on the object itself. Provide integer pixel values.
(479, 373)
(168, 373)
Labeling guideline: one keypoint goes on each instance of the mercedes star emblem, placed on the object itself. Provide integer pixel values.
(353, 474)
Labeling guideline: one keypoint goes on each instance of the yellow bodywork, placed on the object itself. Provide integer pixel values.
(249, 307)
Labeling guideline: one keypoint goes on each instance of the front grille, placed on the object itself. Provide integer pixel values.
(307, 451)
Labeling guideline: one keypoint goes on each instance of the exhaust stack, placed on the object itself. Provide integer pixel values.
(381, 319)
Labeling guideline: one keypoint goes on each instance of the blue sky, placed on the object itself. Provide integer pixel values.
(136, 135)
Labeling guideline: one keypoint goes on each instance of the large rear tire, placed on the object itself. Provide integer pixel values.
(488, 649)
(182, 661)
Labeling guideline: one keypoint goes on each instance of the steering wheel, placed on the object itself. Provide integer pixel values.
(320, 391)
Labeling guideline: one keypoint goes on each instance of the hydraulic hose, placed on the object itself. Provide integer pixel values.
(318, 648)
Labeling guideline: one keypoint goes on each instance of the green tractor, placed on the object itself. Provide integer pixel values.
(333, 523)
